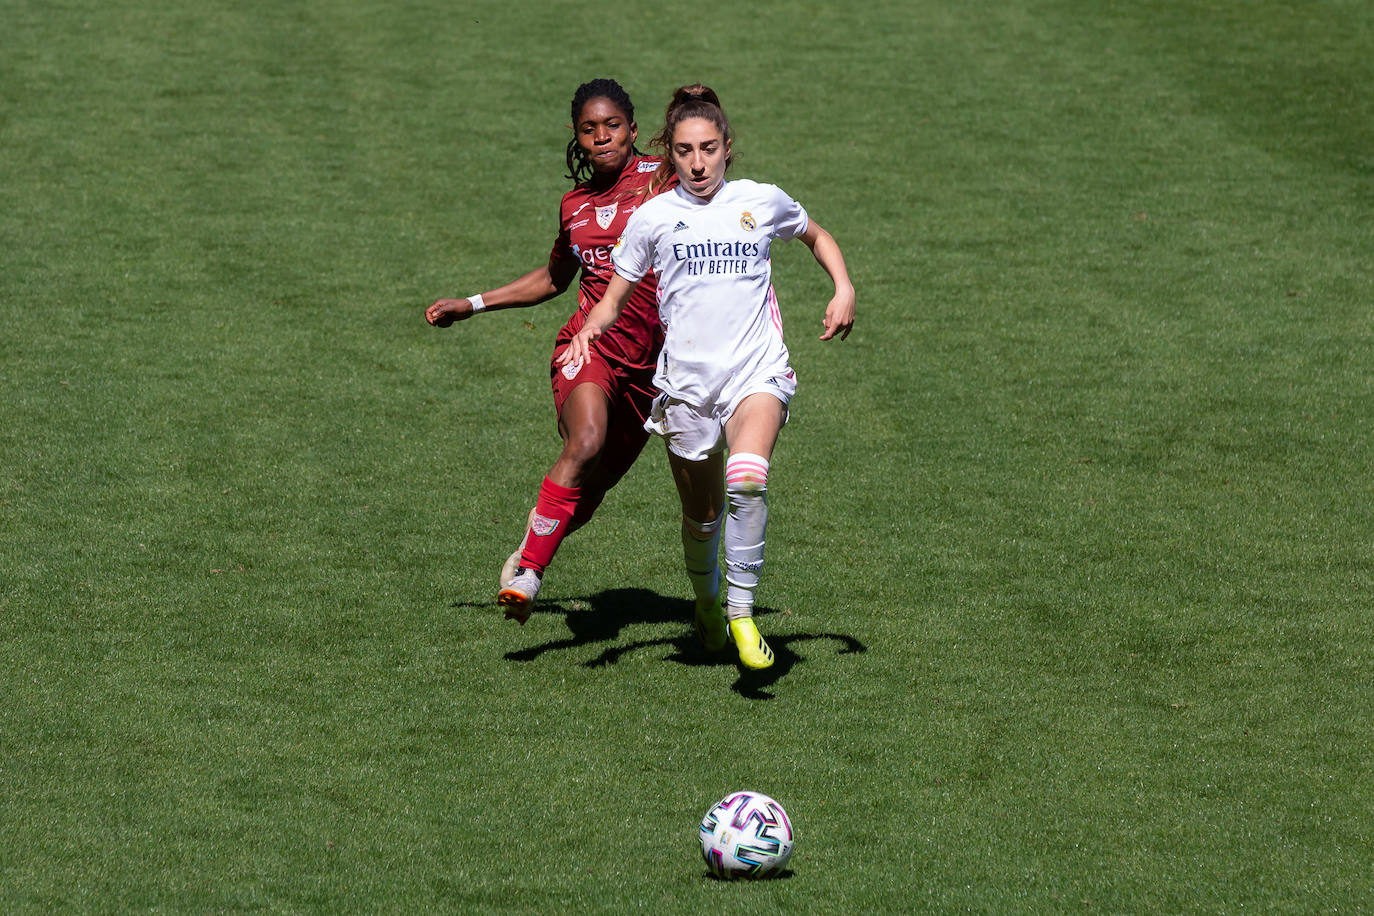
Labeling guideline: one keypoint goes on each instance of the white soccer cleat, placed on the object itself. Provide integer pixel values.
(508, 570)
(513, 561)
(518, 596)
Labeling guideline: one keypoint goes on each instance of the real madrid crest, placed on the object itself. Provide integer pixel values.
(746, 221)
(606, 215)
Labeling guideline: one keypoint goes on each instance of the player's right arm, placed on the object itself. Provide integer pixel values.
(539, 285)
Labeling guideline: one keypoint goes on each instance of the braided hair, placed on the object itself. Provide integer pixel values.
(579, 168)
(694, 101)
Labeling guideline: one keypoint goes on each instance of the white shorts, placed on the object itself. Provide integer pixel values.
(695, 433)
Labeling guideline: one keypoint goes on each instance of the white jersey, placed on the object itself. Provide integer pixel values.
(715, 291)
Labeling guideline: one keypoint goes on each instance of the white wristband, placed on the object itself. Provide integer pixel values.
(477, 303)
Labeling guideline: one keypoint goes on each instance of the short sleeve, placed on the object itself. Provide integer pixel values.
(562, 249)
(562, 246)
(791, 219)
(633, 252)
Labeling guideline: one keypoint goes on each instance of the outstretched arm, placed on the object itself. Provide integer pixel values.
(538, 285)
(601, 317)
(839, 314)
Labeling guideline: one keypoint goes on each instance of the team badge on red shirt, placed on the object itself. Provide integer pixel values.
(606, 215)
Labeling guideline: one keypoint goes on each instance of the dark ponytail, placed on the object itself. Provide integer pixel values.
(694, 101)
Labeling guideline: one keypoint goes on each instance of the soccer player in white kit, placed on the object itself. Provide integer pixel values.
(723, 371)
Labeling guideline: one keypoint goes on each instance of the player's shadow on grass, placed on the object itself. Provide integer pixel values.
(599, 619)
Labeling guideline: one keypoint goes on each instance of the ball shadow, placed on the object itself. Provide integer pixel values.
(784, 875)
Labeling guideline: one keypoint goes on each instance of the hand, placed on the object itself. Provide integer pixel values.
(579, 349)
(445, 312)
(839, 315)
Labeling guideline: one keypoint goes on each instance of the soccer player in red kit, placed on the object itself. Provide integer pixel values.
(601, 402)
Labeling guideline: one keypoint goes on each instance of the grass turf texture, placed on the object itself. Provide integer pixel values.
(1069, 571)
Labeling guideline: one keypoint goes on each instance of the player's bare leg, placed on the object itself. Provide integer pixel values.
(582, 424)
(701, 488)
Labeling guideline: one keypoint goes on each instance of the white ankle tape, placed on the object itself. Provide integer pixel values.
(705, 529)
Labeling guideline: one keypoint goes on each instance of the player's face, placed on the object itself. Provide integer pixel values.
(699, 153)
(605, 135)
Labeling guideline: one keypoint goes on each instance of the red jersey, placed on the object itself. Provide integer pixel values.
(590, 222)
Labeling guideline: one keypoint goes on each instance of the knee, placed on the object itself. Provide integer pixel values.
(583, 447)
(747, 488)
(700, 531)
(746, 476)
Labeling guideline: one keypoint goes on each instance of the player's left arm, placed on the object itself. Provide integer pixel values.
(839, 314)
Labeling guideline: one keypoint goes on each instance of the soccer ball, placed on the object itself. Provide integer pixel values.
(746, 835)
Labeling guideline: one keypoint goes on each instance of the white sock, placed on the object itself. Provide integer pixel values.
(746, 487)
(701, 556)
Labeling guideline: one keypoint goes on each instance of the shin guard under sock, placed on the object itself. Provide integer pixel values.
(746, 487)
(551, 523)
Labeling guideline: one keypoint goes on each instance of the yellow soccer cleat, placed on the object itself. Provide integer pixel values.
(753, 651)
(710, 624)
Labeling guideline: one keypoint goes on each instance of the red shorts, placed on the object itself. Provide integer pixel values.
(630, 393)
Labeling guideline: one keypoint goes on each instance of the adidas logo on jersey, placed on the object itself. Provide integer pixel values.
(680, 226)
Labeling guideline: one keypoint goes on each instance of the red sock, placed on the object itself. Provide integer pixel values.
(587, 501)
(552, 518)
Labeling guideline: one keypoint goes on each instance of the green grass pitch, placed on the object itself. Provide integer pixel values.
(1069, 569)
